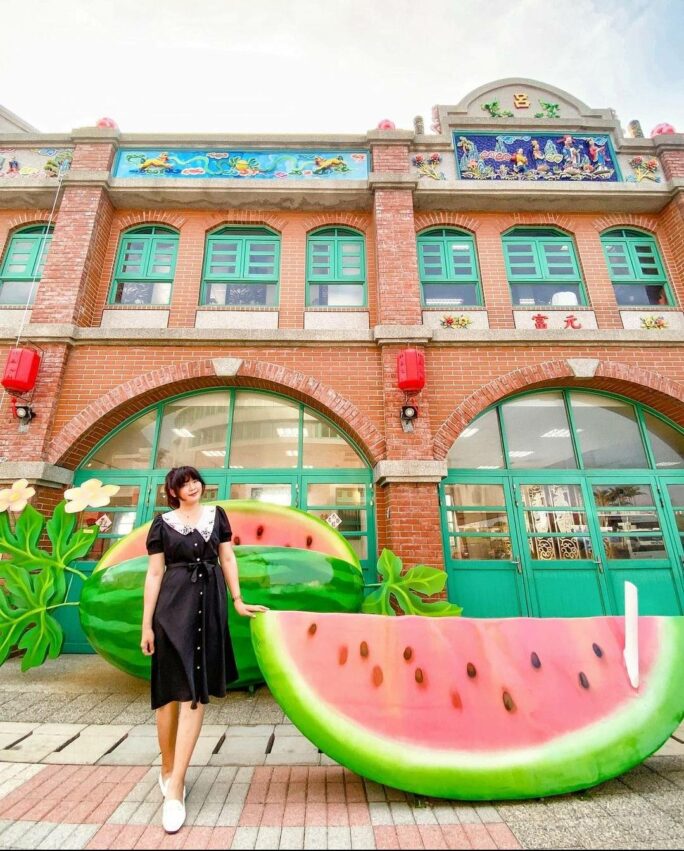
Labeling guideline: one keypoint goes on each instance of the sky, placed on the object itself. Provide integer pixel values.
(337, 66)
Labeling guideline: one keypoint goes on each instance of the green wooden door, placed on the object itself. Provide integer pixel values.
(484, 571)
(560, 561)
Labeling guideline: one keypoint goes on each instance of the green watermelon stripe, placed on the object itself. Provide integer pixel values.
(576, 760)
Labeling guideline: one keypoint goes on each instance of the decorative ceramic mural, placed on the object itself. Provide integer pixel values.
(535, 156)
(34, 162)
(260, 165)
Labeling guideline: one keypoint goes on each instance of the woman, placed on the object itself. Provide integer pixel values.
(184, 626)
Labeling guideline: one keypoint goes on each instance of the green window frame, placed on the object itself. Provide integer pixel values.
(636, 268)
(241, 267)
(449, 271)
(542, 268)
(336, 268)
(145, 266)
(23, 264)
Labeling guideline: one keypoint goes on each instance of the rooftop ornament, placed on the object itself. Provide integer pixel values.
(107, 122)
(386, 124)
(662, 130)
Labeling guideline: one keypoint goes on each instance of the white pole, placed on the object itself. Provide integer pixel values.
(631, 651)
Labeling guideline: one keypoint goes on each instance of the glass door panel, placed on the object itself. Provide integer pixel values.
(484, 573)
(559, 551)
(279, 493)
(636, 546)
(672, 492)
(114, 520)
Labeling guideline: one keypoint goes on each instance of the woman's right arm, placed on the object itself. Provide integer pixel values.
(153, 581)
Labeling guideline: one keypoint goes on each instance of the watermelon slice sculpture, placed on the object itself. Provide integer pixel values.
(473, 708)
(286, 560)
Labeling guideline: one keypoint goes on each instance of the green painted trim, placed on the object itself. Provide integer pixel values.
(440, 237)
(40, 237)
(149, 237)
(245, 242)
(635, 275)
(336, 241)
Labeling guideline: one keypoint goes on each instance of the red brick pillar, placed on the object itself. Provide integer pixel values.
(670, 151)
(68, 287)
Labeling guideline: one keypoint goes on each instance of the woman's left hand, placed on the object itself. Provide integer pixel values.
(246, 610)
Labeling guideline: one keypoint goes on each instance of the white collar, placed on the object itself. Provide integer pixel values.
(205, 525)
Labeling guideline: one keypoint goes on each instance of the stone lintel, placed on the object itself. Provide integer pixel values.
(416, 334)
(36, 472)
(390, 137)
(96, 135)
(429, 471)
(225, 367)
(668, 142)
(583, 367)
(87, 177)
(392, 180)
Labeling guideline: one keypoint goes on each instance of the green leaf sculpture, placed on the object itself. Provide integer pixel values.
(34, 581)
(403, 589)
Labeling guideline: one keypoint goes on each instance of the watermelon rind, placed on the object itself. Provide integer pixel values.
(111, 604)
(578, 760)
(338, 545)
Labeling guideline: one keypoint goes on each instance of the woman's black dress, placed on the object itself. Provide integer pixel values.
(193, 657)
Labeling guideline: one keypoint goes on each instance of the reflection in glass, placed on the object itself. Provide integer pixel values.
(467, 494)
(629, 521)
(667, 443)
(562, 522)
(608, 433)
(475, 549)
(560, 549)
(556, 496)
(325, 447)
(280, 494)
(342, 494)
(479, 445)
(353, 520)
(122, 522)
(623, 495)
(538, 432)
(633, 547)
(210, 495)
(128, 449)
(265, 432)
(194, 431)
(477, 521)
(360, 547)
(676, 494)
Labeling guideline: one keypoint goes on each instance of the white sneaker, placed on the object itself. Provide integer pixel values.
(173, 814)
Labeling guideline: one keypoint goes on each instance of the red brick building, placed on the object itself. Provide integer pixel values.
(240, 303)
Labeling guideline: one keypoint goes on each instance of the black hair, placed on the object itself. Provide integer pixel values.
(176, 478)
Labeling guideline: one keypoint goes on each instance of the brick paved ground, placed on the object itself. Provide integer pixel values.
(77, 770)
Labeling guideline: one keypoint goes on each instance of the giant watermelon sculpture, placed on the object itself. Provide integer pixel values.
(473, 708)
(287, 559)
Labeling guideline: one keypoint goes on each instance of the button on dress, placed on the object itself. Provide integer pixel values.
(193, 657)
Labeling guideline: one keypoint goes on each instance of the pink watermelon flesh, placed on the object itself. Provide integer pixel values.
(460, 707)
(254, 522)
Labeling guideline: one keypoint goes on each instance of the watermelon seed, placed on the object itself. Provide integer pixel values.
(419, 675)
(309, 540)
(344, 653)
(536, 663)
(470, 668)
(377, 676)
(456, 700)
(584, 682)
(312, 629)
(597, 650)
(408, 653)
(363, 649)
(236, 540)
(508, 702)
(260, 531)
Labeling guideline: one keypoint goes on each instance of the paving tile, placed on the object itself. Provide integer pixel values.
(315, 837)
(409, 836)
(229, 815)
(316, 814)
(380, 813)
(11, 780)
(104, 836)
(291, 838)
(267, 837)
(423, 816)
(362, 837)
(197, 837)
(386, 837)
(245, 837)
(221, 838)
(294, 815)
(36, 833)
(12, 731)
(432, 836)
(478, 836)
(92, 744)
(455, 836)
(672, 747)
(45, 739)
(339, 837)
(502, 835)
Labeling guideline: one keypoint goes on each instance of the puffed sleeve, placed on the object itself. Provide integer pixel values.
(155, 543)
(224, 531)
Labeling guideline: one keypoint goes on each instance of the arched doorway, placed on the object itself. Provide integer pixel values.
(247, 444)
(555, 498)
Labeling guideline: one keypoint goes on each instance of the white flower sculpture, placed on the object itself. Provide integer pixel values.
(16, 497)
(91, 494)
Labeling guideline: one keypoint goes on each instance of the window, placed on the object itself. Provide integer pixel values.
(542, 268)
(336, 268)
(241, 267)
(448, 268)
(636, 269)
(23, 265)
(145, 266)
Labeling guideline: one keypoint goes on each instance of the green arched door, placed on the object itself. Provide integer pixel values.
(566, 494)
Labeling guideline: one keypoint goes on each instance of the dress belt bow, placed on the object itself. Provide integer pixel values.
(194, 567)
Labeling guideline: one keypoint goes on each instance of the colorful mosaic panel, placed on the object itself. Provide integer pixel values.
(34, 162)
(535, 156)
(259, 165)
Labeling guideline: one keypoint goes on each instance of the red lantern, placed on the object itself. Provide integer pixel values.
(411, 370)
(21, 370)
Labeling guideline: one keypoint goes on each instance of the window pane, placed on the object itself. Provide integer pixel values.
(242, 294)
(446, 294)
(277, 494)
(161, 501)
(552, 496)
(325, 447)
(353, 520)
(17, 292)
(474, 494)
(646, 258)
(559, 259)
(667, 443)
(538, 432)
(608, 434)
(618, 261)
(634, 547)
(479, 445)
(477, 521)
(521, 259)
(640, 295)
(631, 496)
(342, 494)
(475, 549)
(629, 521)
(128, 449)
(142, 292)
(560, 549)
(265, 432)
(560, 294)
(336, 295)
(193, 432)
(433, 265)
